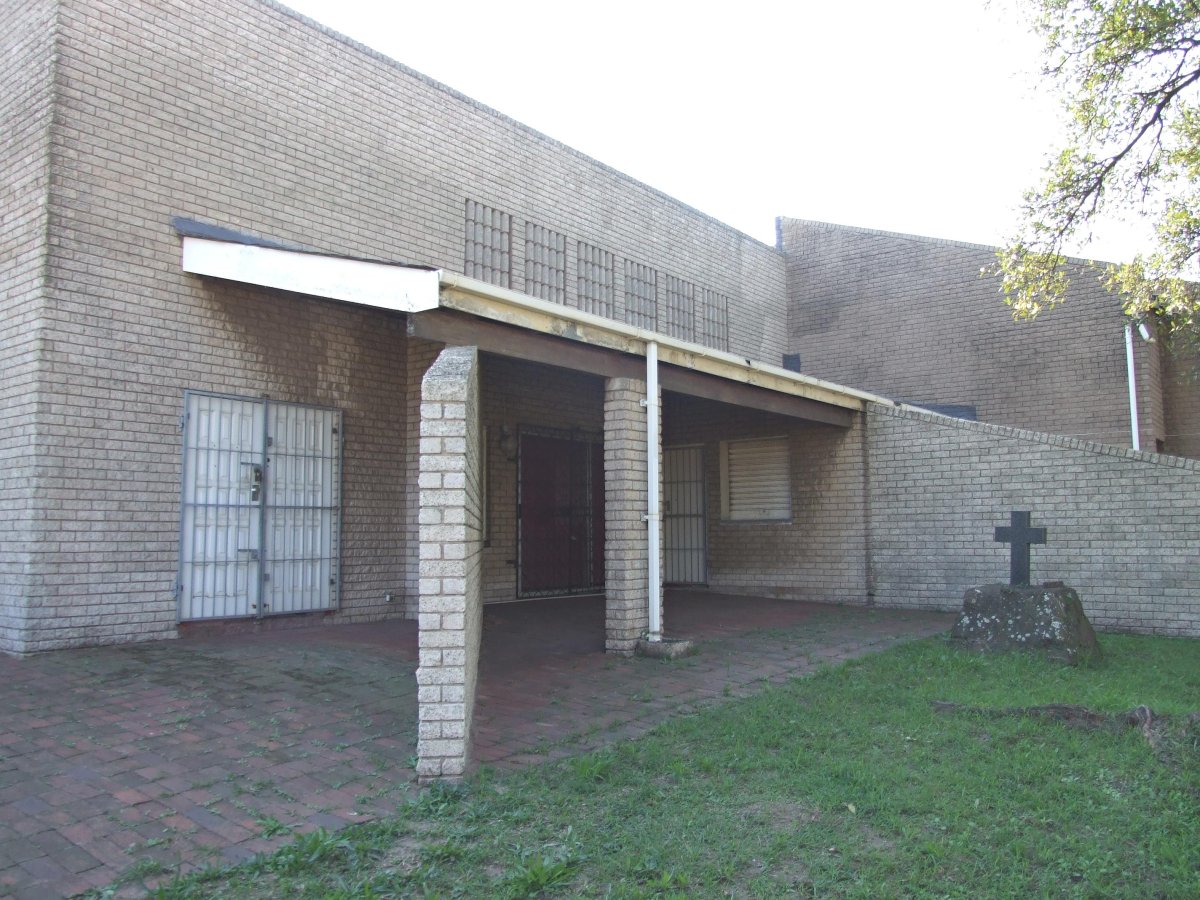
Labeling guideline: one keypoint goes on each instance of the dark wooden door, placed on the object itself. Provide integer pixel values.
(561, 522)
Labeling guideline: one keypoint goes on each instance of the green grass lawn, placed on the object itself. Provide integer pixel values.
(848, 783)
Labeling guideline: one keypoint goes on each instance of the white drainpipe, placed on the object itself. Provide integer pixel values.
(1133, 409)
(653, 520)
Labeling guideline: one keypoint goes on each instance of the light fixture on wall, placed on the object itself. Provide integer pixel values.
(508, 443)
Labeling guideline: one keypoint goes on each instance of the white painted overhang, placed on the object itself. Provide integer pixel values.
(384, 285)
(451, 308)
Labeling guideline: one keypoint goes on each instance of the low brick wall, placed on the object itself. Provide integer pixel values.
(1123, 526)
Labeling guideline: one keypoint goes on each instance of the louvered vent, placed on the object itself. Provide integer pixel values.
(756, 480)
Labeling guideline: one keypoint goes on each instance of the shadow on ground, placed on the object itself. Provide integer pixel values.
(127, 762)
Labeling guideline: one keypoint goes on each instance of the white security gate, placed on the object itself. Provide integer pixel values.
(260, 513)
(684, 520)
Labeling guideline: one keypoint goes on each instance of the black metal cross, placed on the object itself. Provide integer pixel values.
(1020, 535)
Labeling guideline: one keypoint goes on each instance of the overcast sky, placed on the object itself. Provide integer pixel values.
(925, 116)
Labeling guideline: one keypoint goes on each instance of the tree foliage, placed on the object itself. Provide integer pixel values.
(1129, 72)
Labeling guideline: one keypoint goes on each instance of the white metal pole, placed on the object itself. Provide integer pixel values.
(1133, 410)
(653, 519)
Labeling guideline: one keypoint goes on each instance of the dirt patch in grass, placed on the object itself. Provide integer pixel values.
(782, 815)
(404, 856)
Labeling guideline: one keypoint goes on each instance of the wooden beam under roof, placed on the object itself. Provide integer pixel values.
(462, 330)
(487, 301)
(459, 329)
(698, 384)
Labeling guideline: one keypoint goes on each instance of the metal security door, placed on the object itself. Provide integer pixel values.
(560, 523)
(684, 520)
(302, 504)
(260, 511)
(221, 522)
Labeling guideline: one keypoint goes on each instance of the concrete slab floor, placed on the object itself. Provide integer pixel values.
(207, 749)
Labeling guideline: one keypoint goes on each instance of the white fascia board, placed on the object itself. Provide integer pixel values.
(395, 287)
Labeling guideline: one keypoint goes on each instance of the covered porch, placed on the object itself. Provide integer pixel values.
(563, 455)
(675, 462)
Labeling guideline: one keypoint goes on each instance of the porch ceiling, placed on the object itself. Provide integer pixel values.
(460, 329)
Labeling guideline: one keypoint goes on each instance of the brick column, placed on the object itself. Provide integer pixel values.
(626, 585)
(450, 604)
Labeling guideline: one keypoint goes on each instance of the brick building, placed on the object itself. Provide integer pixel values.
(292, 334)
(911, 317)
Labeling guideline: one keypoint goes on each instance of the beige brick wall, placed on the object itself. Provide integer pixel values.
(1181, 389)
(820, 555)
(27, 46)
(106, 540)
(244, 114)
(1123, 527)
(910, 318)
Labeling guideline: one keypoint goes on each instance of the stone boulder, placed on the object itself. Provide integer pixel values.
(1047, 618)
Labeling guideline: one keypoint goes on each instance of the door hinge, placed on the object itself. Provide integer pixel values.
(183, 420)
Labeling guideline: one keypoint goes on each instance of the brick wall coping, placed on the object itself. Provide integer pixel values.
(900, 235)
(487, 110)
(903, 411)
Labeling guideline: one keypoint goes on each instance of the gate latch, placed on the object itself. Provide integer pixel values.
(256, 480)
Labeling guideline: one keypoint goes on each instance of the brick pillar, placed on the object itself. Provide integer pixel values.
(450, 604)
(626, 585)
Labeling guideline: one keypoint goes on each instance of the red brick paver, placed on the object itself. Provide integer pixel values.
(548, 690)
(180, 753)
(119, 761)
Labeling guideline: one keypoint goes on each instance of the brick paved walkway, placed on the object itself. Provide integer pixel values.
(550, 691)
(115, 762)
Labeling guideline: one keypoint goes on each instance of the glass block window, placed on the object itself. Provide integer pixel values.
(680, 308)
(595, 274)
(487, 252)
(712, 320)
(545, 263)
(641, 290)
